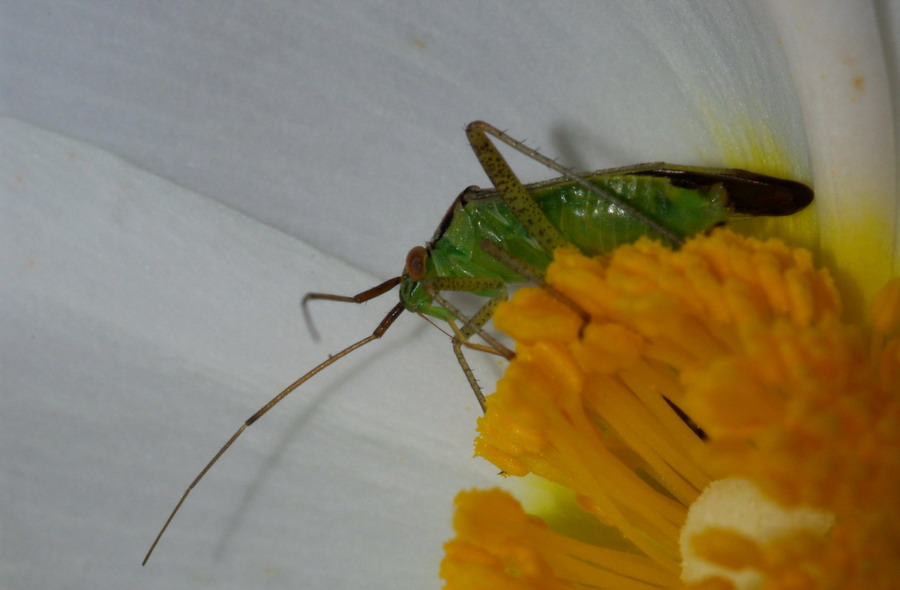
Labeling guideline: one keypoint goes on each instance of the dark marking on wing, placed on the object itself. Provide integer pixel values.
(748, 192)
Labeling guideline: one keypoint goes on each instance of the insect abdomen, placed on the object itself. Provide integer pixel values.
(596, 226)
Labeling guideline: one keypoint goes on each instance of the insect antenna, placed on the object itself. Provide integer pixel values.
(379, 331)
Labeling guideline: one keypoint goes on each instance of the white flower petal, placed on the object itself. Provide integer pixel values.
(838, 62)
(141, 325)
(152, 320)
(342, 123)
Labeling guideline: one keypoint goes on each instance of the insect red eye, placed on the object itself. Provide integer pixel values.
(415, 263)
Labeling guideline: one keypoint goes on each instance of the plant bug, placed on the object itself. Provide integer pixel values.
(492, 238)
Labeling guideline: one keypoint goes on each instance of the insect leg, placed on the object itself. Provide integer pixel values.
(520, 202)
(470, 376)
(511, 190)
(524, 269)
(470, 325)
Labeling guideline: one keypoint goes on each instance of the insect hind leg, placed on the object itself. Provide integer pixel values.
(523, 206)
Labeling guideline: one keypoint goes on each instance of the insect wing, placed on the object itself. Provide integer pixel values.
(749, 193)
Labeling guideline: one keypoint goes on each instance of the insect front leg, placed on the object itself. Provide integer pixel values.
(533, 274)
(471, 325)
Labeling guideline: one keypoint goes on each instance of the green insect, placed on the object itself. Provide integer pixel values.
(492, 238)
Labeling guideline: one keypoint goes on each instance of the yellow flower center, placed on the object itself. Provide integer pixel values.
(726, 358)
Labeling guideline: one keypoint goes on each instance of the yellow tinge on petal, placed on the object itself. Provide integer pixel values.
(726, 358)
(838, 65)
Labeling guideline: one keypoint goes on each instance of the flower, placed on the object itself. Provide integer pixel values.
(731, 377)
(746, 338)
(145, 322)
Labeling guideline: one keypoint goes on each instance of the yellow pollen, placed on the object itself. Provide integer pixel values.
(727, 358)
